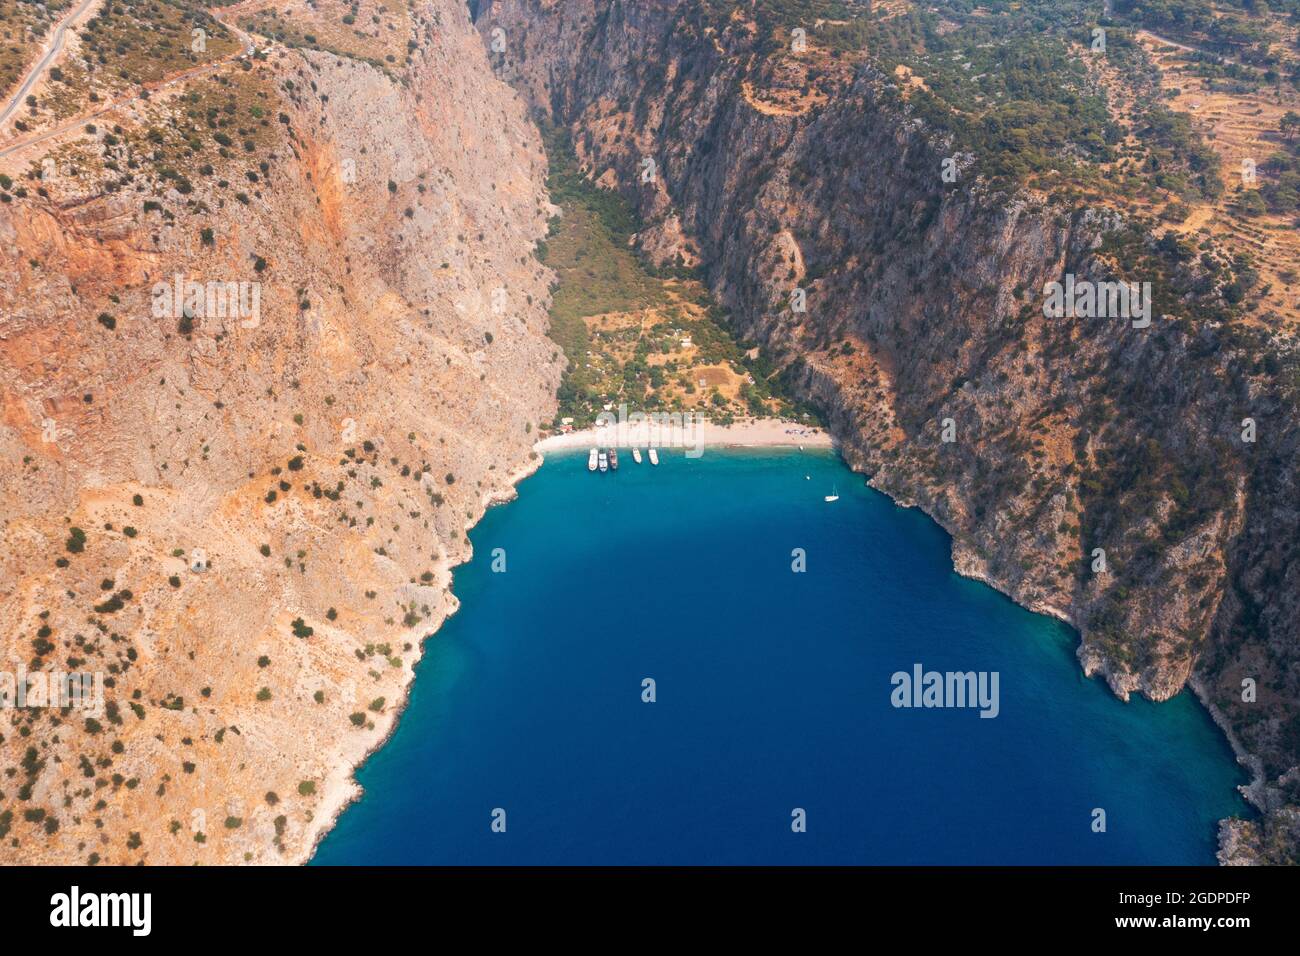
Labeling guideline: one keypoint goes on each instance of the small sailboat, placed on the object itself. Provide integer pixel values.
(834, 495)
(613, 459)
(654, 456)
(636, 455)
(604, 462)
(592, 462)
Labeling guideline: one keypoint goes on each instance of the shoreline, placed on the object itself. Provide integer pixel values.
(532, 463)
(696, 435)
(338, 795)
(347, 791)
(752, 433)
(965, 561)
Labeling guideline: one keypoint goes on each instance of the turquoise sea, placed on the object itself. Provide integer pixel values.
(772, 694)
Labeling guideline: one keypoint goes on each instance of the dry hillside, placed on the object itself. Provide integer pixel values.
(244, 523)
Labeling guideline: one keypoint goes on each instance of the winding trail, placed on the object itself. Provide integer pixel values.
(246, 49)
(55, 47)
(1165, 41)
(1108, 10)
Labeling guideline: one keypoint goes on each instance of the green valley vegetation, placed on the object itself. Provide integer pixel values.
(653, 339)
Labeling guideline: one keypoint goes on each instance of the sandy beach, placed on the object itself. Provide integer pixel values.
(754, 432)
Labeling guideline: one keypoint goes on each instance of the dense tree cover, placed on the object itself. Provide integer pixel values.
(1280, 187)
(1178, 159)
(1188, 18)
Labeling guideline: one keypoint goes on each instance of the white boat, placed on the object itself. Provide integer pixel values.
(636, 455)
(604, 462)
(834, 495)
(654, 456)
(591, 460)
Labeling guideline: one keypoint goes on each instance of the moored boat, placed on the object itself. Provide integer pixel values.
(604, 462)
(636, 455)
(592, 460)
(613, 459)
(654, 456)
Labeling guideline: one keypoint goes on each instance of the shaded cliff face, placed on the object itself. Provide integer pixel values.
(241, 513)
(1034, 441)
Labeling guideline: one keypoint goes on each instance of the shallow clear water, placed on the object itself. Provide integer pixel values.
(773, 693)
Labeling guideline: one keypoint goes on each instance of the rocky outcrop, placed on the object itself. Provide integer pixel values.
(244, 523)
(1092, 470)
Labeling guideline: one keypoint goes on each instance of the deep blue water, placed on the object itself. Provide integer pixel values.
(773, 693)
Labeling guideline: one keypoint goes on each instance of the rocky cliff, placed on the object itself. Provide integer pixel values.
(271, 339)
(1139, 483)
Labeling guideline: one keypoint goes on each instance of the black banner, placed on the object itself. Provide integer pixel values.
(330, 905)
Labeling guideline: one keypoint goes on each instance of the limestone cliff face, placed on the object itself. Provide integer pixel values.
(267, 503)
(925, 310)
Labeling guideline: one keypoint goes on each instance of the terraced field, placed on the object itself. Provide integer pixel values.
(1244, 126)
